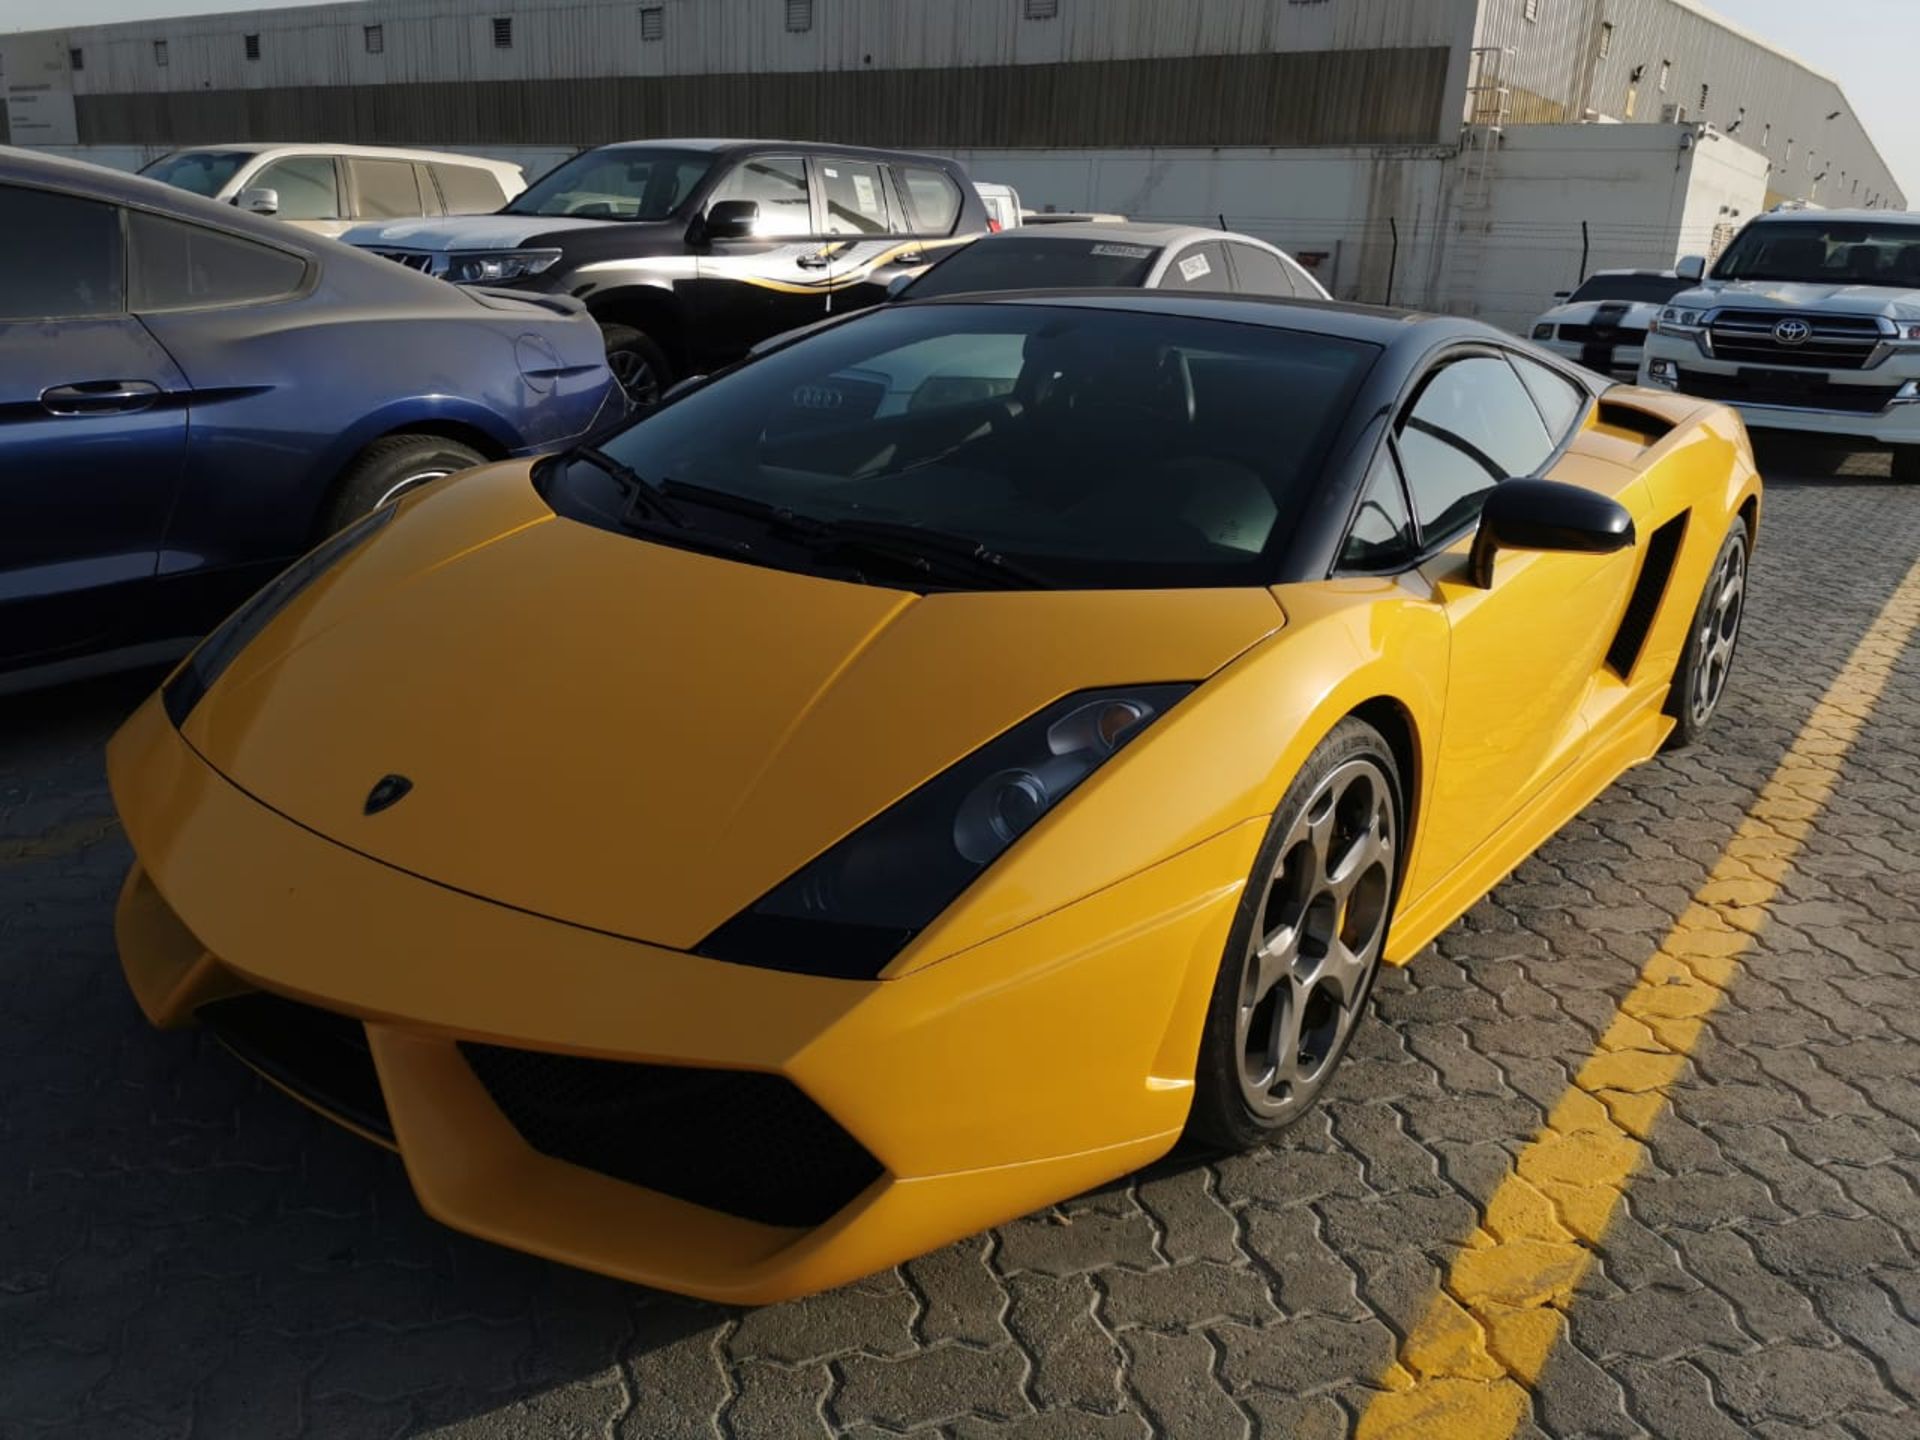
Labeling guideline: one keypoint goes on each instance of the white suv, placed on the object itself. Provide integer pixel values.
(331, 188)
(1809, 322)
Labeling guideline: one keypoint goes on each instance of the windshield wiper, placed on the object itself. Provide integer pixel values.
(643, 497)
(914, 547)
(922, 549)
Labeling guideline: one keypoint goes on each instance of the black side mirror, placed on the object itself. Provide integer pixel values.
(898, 284)
(733, 220)
(1546, 515)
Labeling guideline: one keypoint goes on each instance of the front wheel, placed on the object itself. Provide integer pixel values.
(1701, 681)
(637, 363)
(1305, 945)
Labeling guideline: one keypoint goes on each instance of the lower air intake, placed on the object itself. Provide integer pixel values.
(318, 1055)
(744, 1143)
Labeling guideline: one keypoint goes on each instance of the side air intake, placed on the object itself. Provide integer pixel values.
(1663, 548)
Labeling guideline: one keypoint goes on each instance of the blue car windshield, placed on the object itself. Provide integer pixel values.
(1097, 445)
(204, 172)
(620, 182)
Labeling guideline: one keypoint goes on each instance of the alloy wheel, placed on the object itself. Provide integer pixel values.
(1719, 631)
(636, 375)
(1317, 940)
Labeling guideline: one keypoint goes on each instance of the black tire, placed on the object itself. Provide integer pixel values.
(388, 468)
(1906, 465)
(1700, 681)
(1334, 896)
(637, 363)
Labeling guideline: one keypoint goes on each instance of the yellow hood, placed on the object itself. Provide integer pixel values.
(642, 739)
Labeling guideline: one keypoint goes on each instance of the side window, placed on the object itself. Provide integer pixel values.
(1472, 425)
(171, 266)
(1561, 402)
(933, 200)
(60, 257)
(387, 189)
(1382, 533)
(778, 185)
(469, 190)
(853, 198)
(307, 185)
(1260, 272)
(1198, 267)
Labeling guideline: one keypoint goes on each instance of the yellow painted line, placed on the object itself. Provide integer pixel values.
(1468, 1365)
(68, 839)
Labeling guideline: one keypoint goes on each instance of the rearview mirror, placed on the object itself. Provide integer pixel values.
(1691, 267)
(260, 200)
(1546, 515)
(733, 220)
(1563, 294)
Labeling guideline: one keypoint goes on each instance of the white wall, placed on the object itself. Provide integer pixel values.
(1647, 194)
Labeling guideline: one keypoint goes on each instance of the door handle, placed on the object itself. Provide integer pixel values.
(99, 397)
(815, 261)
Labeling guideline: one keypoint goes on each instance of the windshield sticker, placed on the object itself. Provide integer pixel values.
(830, 172)
(863, 192)
(1194, 266)
(1124, 252)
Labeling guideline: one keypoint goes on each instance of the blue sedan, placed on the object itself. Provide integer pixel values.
(191, 396)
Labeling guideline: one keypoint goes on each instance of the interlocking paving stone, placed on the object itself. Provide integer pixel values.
(184, 1253)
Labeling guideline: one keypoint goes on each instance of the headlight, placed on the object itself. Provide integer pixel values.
(1543, 331)
(849, 912)
(495, 267)
(1680, 319)
(192, 680)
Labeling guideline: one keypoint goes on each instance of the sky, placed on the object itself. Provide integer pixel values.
(1868, 45)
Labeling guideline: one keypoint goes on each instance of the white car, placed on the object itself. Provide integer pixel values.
(1603, 324)
(1121, 254)
(1809, 322)
(331, 188)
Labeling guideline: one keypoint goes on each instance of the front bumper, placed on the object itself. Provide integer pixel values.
(1857, 405)
(1048, 1060)
(1621, 361)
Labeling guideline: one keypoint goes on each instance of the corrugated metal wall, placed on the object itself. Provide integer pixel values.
(453, 40)
(1304, 98)
(1629, 59)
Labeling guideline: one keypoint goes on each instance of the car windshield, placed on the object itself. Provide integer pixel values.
(625, 182)
(1028, 262)
(204, 172)
(1651, 289)
(1825, 252)
(1091, 446)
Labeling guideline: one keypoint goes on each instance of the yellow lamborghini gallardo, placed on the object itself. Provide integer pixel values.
(922, 772)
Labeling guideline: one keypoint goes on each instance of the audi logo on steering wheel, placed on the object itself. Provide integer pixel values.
(1793, 332)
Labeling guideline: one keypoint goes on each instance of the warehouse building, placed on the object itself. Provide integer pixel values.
(1405, 145)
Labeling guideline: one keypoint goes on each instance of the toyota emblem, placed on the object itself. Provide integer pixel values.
(1793, 332)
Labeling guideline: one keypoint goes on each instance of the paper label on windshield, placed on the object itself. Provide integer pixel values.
(1123, 252)
(1194, 266)
(863, 192)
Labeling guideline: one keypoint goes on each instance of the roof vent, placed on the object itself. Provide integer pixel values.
(503, 32)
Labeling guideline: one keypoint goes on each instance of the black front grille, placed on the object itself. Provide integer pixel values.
(737, 1141)
(1603, 334)
(318, 1055)
(1796, 392)
(1834, 342)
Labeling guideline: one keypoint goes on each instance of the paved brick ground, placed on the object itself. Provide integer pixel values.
(185, 1253)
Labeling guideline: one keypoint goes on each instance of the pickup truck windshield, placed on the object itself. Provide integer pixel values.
(1826, 252)
(619, 182)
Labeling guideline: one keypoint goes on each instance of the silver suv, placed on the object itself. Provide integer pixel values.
(1809, 322)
